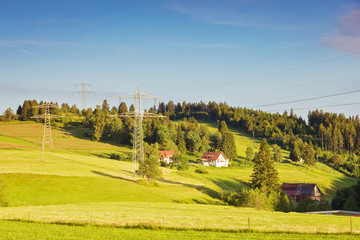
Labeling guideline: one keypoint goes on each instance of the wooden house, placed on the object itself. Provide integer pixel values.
(301, 191)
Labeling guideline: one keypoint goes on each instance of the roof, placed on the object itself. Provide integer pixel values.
(167, 154)
(296, 189)
(211, 156)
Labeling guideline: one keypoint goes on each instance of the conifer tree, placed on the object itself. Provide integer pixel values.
(278, 157)
(123, 108)
(223, 127)
(264, 176)
(295, 153)
(180, 141)
(26, 111)
(227, 145)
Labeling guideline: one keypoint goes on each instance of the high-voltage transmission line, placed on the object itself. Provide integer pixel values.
(47, 138)
(138, 115)
(83, 92)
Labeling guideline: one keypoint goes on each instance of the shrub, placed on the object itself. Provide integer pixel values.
(336, 159)
(200, 170)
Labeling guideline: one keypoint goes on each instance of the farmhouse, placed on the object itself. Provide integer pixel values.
(167, 156)
(301, 191)
(217, 159)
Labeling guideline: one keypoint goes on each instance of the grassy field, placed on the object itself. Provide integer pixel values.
(184, 216)
(33, 231)
(78, 183)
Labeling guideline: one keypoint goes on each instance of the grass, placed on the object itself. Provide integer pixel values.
(78, 183)
(34, 231)
(182, 216)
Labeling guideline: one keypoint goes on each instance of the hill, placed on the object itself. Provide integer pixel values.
(78, 180)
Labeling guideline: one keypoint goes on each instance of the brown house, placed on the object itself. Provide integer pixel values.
(301, 191)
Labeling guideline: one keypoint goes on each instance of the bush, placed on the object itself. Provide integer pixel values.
(336, 159)
(200, 170)
(119, 156)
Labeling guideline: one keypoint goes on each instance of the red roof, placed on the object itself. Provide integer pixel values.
(211, 156)
(297, 189)
(167, 154)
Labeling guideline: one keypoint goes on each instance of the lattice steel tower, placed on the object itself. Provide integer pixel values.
(47, 137)
(138, 115)
(83, 92)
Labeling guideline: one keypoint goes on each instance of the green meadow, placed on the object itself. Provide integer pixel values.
(78, 184)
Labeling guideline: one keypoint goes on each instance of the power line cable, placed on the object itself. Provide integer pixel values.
(281, 71)
(327, 106)
(307, 99)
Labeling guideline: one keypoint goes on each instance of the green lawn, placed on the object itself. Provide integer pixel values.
(180, 215)
(34, 231)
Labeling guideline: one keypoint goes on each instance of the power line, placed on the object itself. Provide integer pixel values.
(307, 99)
(308, 108)
(281, 71)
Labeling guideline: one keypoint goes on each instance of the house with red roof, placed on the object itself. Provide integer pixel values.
(216, 159)
(167, 156)
(301, 191)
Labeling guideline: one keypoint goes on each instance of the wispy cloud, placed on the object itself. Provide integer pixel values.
(346, 33)
(210, 45)
(225, 16)
(26, 42)
(25, 51)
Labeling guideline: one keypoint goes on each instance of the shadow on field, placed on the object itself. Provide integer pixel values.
(202, 189)
(111, 176)
(231, 184)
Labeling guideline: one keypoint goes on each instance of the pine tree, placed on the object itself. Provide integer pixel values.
(223, 127)
(180, 141)
(26, 111)
(123, 108)
(295, 153)
(264, 176)
(227, 145)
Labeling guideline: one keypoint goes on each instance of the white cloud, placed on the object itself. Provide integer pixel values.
(346, 33)
(25, 51)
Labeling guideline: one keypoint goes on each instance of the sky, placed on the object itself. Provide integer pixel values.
(247, 53)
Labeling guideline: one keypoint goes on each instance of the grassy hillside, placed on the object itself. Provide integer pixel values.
(35, 231)
(180, 215)
(78, 180)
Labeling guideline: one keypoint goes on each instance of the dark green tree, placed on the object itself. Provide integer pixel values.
(264, 176)
(123, 108)
(26, 111)
(223, 127)
(227, 145)
(295, 153)
(180, 141)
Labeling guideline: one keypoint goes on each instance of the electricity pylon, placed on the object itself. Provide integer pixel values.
(83, 92)
(47, 138)
(138, 115)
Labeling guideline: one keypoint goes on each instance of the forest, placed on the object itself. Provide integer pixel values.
(330, 136)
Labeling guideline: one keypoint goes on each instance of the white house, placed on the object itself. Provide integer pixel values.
(216, 159)
(167, 156)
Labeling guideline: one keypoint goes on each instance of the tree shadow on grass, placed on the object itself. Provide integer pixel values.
(111, 176)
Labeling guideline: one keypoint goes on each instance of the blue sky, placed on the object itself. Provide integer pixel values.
(245, 52)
